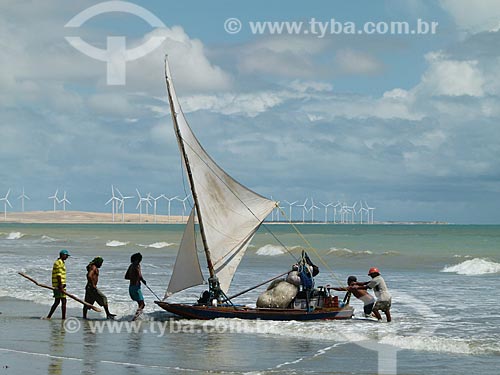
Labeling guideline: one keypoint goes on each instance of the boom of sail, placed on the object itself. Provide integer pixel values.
(228, 213)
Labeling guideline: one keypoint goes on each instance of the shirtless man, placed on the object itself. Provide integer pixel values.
(360, 294)
(134, 274)
(92, 294)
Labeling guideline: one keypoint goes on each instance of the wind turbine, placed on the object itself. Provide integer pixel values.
(335, 212)
(361, 211)
(112, 200)
(169, 202)
(5, 203)
(56, 200)
(122, 203)
(64, 201)
(326, 209)
(372, 209)
(148, 200)
(313, 207)
(290, 204)
(183, 205)
(343, 211)
(352, 210)
(22, 197)
(304, 209)
(155, 199)
(139, 204)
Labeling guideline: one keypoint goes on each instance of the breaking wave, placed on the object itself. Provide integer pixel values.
(48, 239)
(348, 252)
(160, 245)
(115, 243)
(476, 266)
(14, 235)
(271, 250)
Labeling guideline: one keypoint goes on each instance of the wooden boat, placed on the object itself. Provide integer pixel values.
(228, 215)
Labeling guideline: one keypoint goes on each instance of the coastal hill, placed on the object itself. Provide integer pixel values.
(81, 217)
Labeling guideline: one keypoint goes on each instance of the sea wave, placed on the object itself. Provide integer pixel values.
(348, 252)
(156, 245)
(115, 243)
(49, 239)
(351, 332)
(476, 266)
(271, 250)
(14, 235)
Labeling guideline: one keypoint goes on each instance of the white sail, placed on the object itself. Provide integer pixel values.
(230, 213)
(187, 270)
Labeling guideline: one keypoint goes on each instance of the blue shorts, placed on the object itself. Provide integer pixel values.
(135, 293)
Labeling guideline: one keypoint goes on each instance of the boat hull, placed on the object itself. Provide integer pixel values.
(245, 312)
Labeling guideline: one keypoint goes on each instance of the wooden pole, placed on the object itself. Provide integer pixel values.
(68, 294)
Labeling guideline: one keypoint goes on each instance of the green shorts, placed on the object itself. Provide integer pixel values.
(95, 295)
(58, 294)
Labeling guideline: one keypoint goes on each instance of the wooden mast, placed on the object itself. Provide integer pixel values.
(190, 175)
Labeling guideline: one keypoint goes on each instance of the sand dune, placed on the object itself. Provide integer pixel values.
(81, 217)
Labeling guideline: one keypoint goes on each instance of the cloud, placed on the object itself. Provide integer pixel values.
(188, 60)
(451, 77)
(474, 16)
(285, 56)
(349, 61)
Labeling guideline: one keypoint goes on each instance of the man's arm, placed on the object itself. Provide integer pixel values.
(60, 285)
(340, 289)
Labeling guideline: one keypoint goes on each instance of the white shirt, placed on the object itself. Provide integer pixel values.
(380, 289)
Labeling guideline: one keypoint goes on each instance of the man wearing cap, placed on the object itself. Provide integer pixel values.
(59, 283)
(378, 285)
(92, 294)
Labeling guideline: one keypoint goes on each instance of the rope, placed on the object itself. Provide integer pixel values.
(310, 247)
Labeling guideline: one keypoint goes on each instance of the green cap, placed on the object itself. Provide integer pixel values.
(64, 252)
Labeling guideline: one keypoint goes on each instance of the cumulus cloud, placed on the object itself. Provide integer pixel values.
(188, 60)
(451, 77)
(474, 16)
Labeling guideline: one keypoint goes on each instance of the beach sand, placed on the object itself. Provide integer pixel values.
(81, 217)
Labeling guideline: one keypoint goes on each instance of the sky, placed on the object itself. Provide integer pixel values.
(408, 123)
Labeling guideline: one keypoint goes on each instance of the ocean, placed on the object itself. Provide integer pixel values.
(442, 278)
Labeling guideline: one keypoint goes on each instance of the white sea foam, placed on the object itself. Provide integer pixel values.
(14, 235)
(476, 266)
(160, 245)
(271, 250)
(115, 243)
(430, 344)
(48, 239)
(348, 252)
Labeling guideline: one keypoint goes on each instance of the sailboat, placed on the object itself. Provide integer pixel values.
(228, 216)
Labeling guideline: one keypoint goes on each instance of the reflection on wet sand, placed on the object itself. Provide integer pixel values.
(89, 349)
(56, 342)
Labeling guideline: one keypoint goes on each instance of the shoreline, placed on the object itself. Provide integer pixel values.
(83, 217)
